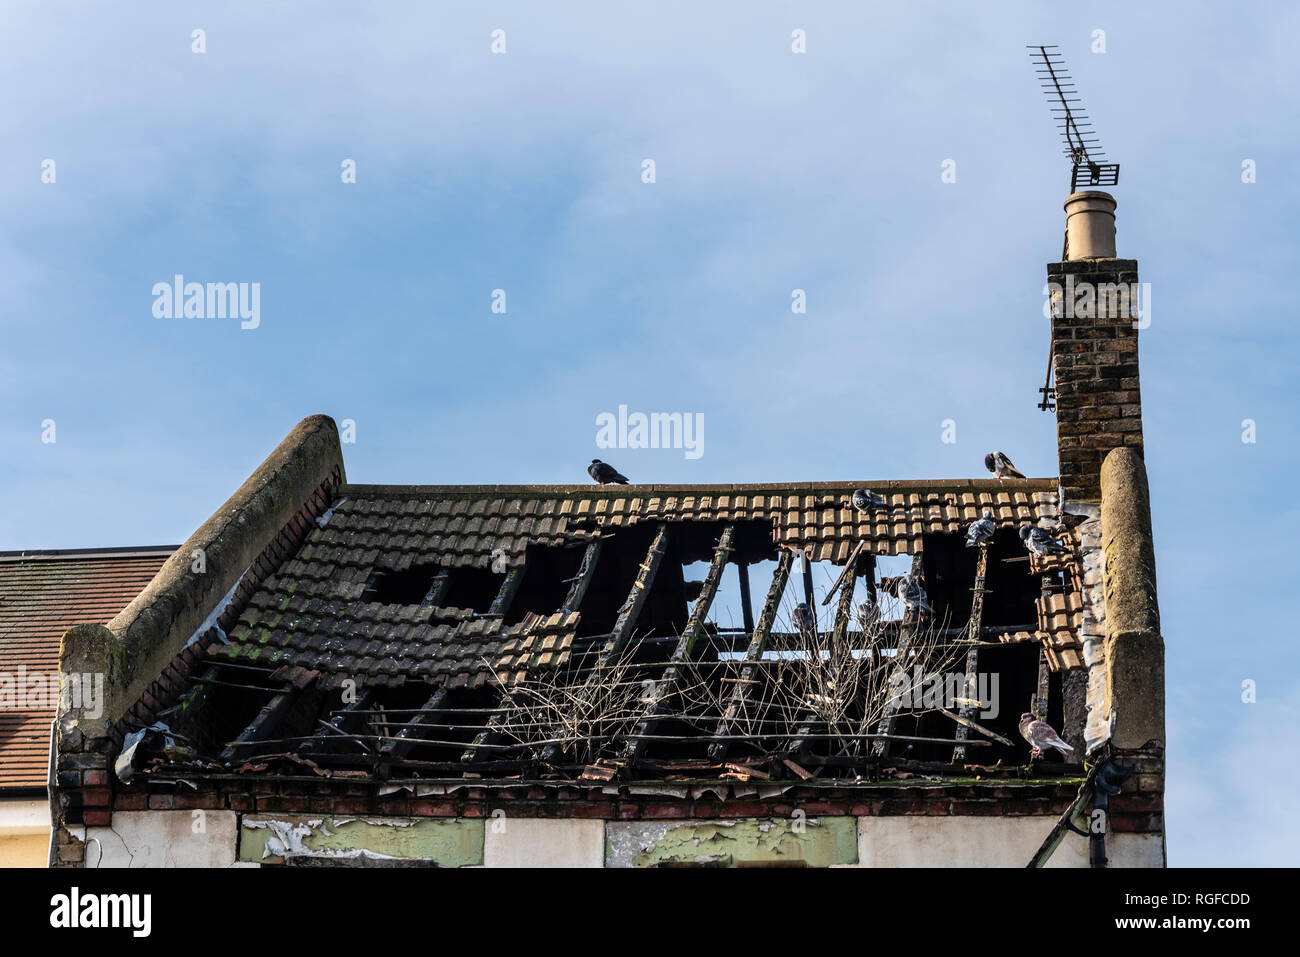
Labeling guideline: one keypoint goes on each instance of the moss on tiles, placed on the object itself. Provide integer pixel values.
(814, 842)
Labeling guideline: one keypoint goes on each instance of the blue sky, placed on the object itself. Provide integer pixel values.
(775, 171)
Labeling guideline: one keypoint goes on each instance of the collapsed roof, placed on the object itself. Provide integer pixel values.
(569, 632)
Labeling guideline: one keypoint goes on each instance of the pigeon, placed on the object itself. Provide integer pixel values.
(1040, 543)
(981, 530)
(1040, 735)
(1001, 466)
(913, 595)
(864, 500)
(803, 619)
(868, 614)
(605, 474)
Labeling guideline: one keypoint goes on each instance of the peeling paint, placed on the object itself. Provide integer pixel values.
(448, 842)
(815, 842)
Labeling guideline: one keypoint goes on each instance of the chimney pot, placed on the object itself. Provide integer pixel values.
(1090, 225)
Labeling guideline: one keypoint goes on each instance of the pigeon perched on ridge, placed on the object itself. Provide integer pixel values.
(865, 500)
(981, 530)
(605, 474)
(1001, 466)
(912, 593)
(1041, 543)
(802, 619)
(1040, 735)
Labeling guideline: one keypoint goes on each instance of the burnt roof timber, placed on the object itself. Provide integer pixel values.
(582, 581)
(686, 644)
(401, 743)
(740, 693)
(907, 633)
(975, 628)
(262, 726)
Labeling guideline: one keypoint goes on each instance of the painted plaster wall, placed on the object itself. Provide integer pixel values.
(164, 839)
(168, 839)
(540, 842)
(24, 833)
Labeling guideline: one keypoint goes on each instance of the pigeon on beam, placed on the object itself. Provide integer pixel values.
(981, 530)
(802, 619)
(868, 614)
(912, 594)
(1039, 542)
(605, 474)
(1001, 466)
(1040, 735)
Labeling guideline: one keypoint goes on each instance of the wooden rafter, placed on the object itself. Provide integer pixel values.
(975, 628)
(262, 726)
(344, 723)
(907, 633)
(582, 581)
(506, 593)
(400, 744)
(630, 610)
(662, 689)
(757, 644)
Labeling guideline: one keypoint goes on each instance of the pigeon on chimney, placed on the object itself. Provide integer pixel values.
(1040, 735)
(1040, 543)
(605, 474)
(1001, 466)
(912, 593)
(981, 530)
(865, 500)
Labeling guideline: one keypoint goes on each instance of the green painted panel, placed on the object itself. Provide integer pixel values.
(448, 842)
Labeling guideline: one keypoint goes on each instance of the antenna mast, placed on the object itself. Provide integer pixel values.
(1081, 143)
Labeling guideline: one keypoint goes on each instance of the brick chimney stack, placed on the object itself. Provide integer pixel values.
(1096, 309)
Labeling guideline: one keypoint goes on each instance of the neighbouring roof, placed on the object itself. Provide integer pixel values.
(42, 595)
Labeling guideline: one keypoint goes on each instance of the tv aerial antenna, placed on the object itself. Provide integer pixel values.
(1087, 158)
(1081, 144)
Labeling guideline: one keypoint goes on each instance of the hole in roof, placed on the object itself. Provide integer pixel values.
(413, 586)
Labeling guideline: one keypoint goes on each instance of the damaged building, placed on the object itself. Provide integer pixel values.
(333, 674)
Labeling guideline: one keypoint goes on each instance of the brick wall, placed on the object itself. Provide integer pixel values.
(1098, 396)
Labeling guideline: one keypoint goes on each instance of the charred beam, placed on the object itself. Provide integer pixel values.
(625, 625)
(263, 725)
(907, 633)
(757, 644)
(582, 581)
(506, 594)
(662, 689)
(974, 630)
(400, 744)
